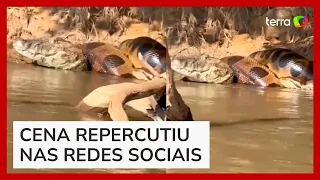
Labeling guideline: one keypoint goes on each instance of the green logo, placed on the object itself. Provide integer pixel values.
(297, 23)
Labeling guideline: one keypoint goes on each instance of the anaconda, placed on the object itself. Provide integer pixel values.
(100, 57)
(106, 58)
(249, 71)
(148, 54)
(60, 54)
(145, 50)
(285, 63)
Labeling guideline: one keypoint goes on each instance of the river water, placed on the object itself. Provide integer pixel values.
(252, 129)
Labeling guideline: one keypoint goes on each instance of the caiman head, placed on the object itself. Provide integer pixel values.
(53, 53)
(32, 48)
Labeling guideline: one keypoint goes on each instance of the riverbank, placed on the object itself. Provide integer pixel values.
(217, 32)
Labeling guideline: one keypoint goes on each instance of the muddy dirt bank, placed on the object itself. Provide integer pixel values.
(212, 31)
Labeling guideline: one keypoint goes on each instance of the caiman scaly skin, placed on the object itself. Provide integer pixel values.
(205, 70)
(53, 53)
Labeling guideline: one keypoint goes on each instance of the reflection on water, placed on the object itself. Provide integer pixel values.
(252, 129)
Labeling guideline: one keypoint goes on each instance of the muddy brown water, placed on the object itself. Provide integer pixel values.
(252, 129)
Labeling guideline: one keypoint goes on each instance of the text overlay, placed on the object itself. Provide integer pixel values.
(97, 144)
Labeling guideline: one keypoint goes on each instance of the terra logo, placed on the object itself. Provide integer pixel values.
(298, 21)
